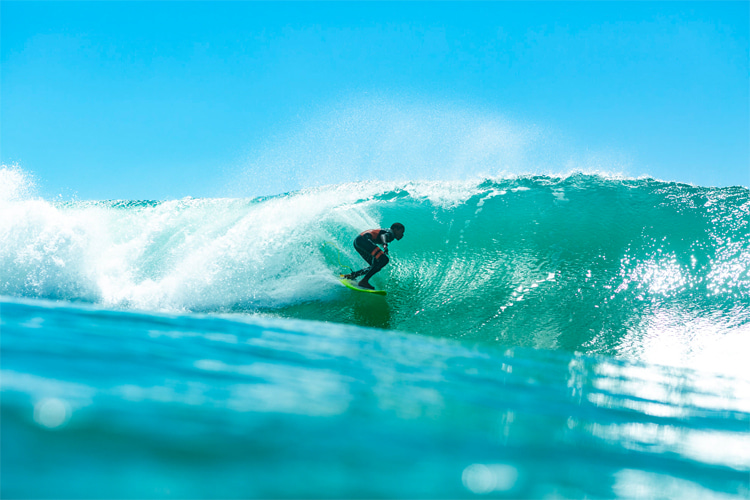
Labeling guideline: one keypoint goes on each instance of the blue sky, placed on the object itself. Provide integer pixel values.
(142, 100)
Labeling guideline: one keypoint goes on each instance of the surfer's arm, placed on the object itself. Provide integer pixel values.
(384, 242)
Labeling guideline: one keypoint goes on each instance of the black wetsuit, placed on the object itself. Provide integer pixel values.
(365, 245)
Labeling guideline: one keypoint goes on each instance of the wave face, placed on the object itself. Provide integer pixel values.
(580, 262)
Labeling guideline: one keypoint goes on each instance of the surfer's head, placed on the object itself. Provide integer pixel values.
(398, 230)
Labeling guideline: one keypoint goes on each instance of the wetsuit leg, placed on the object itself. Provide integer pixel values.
(357, 274)
(362, 246)
(377, 266)
(372, 254)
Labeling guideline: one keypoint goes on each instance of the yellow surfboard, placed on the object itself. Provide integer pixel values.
(353, 286)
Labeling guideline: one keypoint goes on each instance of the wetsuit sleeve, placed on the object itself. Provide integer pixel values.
(384, 239)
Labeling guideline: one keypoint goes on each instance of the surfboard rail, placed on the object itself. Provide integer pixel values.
(353, 286)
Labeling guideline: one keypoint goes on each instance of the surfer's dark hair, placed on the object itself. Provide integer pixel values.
(397, 226)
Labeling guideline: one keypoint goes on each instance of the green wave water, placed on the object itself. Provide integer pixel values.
(573, 336)
(581, 263)
(575, 263)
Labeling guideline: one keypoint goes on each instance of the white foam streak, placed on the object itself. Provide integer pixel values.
(181, 255)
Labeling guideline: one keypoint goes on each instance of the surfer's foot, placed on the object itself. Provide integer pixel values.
(349, 276)
(364, 284)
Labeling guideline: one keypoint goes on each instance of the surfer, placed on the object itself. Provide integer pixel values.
(366, 245)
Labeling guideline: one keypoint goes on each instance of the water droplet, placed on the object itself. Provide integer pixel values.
(52, 413)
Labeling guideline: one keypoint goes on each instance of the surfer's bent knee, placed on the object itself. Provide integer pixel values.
(381, 261)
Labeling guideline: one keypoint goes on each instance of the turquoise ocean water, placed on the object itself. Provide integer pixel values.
(542, 337)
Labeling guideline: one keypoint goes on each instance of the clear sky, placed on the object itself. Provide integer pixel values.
(142, 100)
